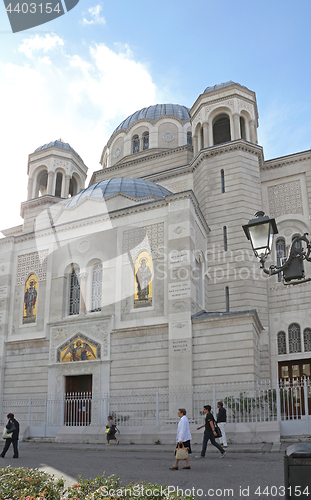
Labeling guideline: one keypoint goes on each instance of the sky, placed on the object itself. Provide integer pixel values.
(78, 76)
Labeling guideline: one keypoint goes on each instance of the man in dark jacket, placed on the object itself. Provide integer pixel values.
(221, 421)
(12, 425)
(209, 433)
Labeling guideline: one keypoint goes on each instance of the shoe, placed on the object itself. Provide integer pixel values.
(15, 457)
(108, 444)
(173, 468)
(199, 456)
(118, 442)
(223, 455)
(188, 467)
(224, 445)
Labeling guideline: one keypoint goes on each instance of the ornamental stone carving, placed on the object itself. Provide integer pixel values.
(34, 262)
(149, 238)
(285, 198)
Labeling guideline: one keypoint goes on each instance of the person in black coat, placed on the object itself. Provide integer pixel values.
(12, 424)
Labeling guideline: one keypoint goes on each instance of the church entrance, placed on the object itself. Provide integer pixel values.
(78, 398)
(294, 377)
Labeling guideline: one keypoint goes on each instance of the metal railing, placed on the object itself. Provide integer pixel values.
(244, 402)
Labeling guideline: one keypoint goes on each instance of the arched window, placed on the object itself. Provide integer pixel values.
(221, 129)
(58, 185)
(224, 229)
(281, 343)
(242, 127)
(42, 184)
(227, 299)
(135, 144)
(202, 138)
(73, 188)
(222, 176)
(145, 140)
(200, 284)
(294, 338)
(74, 293)
(280, 254)
(189, 138)
(97, 278)
(307, 339)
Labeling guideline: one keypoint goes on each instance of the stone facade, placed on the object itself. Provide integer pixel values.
(205, 314)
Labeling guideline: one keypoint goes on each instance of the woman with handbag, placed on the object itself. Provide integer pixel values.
(12, 428)
(111, 430)
(183, 447)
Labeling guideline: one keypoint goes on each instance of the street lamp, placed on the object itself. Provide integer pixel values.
(260, 232)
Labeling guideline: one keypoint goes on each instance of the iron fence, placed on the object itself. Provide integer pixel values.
(245, 402)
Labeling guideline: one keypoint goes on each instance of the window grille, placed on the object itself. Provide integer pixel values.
(307, 339)
(97, 278)
(294, 339)
(146, 141)
(227, 299)
(74, 299)
(135, 144)
(281, 343)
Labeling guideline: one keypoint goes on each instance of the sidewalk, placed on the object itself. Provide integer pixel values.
(167, 448)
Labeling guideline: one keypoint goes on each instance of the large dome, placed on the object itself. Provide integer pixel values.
(154, 112)
(136, 188)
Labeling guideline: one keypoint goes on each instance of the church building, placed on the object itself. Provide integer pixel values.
(144, 278)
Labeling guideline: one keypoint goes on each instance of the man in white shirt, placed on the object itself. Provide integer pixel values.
(183, 436)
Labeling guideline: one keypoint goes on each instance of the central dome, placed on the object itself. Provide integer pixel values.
(154, 112)
(136, 188)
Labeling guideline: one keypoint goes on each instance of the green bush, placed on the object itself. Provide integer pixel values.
(33, 484)
(29, 484)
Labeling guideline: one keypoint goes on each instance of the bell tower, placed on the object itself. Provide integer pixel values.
(55, 172)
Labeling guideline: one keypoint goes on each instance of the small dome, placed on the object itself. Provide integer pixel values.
(220, 86)
(136, 188)
(58, 144)
(154, 112)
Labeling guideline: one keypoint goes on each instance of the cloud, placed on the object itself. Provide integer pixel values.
(37, 43)
(95, 16)
(80, 99)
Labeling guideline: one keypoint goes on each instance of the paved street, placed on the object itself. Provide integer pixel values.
(252, 466)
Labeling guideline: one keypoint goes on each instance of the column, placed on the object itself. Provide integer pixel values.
(253, 134)
(195, 145)
(67, 182)
(83, 282)
(205, 135)
(210, 134)
(30, 195)
(49, 189)
(236, 127)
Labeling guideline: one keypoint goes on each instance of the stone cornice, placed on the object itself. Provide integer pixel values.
(286, 160)
(224, 99)
(63, 157)
(12, 231)
(237, 145)
(47, 199)
(229, 316)
(137, 161)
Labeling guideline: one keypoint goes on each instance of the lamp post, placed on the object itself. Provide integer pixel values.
(260, 232)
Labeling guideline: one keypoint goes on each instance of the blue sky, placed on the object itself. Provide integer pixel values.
(79, 76)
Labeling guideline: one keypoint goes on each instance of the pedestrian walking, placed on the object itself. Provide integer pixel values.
(209, 433)
(111, 430)
(11, 426)
(183, 437)
(221, 422)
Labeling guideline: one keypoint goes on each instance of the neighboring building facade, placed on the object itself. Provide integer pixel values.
(145, 278)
